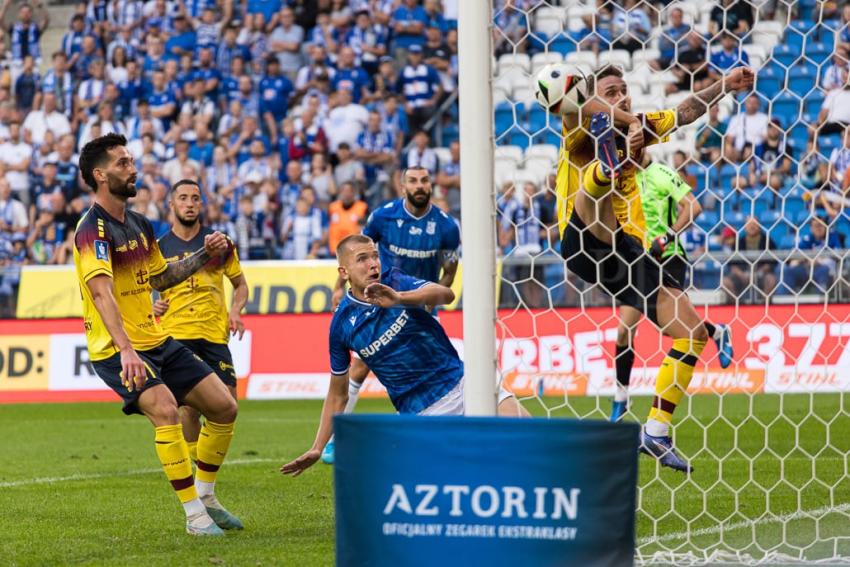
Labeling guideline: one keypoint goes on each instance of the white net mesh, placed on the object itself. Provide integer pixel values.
(769, 436)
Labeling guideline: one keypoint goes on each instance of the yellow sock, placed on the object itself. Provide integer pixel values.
(193, 450)
(673, 379)
(212, 448)
(174, 456)
(595, 182)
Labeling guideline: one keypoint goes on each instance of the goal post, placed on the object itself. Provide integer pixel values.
(477, 205)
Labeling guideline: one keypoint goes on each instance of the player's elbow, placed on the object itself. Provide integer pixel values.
(448, 295)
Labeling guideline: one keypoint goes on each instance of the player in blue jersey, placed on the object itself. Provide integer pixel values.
(415, 237)
(386, 319)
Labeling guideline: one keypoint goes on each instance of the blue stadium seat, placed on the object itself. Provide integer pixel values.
(708, 220)
(828, 143)
(798, 136)
(793, 41)
(787, 107)
(562, 44)
(519, 138)
(817, 51)
(802, 78)
(546, 136)
(813, 102)
(504, 117)
(825, 35)
(538, 119)
(768, 83)
(787, 242)
(788, 53)
(792, 207)
(451, 133)
(778, 232)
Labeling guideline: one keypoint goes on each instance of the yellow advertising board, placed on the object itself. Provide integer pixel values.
(275, 287)
(24, 362)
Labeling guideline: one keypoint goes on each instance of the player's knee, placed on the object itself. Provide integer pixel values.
(228, 410)
(164, 412)
(700, 333)
(625, 337)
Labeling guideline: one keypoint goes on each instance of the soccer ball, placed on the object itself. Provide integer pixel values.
(560, 89)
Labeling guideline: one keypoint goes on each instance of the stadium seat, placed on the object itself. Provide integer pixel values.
(562, 44)
(548, 21)
(708, 220)
(514, 60)
(538, 119)
(540, 60)
(794, 39)
(617, 57)
(769, 82)
(513, 153)
(828, 143)
(542, 150)
(519, 138)
(786, 54)
(786, 107)
(582, 57)
(817, 51)
(787, 242)
(814, 102)
(644, 56)
(802, 78)
(504, 117)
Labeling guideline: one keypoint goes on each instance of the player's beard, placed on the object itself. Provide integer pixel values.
(418, 199)
(122, 188)
(188, 223)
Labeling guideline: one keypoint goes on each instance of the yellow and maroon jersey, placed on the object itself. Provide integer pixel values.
(578, 150)
(197, 307)
(129, 254)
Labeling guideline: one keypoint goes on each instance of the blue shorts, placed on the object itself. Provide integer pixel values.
(170, 363)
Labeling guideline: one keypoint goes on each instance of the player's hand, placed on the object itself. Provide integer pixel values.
(302, 463)
(337, 296)
(237, 327)
(634, 140)
(381, 295)
(133, 371)
(740, 79)
(215, 244)
(160, 306)
(660, 244)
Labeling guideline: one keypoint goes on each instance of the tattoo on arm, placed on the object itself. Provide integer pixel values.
(178, 271)
(696, 105)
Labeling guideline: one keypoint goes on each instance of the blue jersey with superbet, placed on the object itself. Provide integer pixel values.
(404, 346)
(416, 246)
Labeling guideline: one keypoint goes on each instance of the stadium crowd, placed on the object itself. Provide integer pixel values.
(297, 116)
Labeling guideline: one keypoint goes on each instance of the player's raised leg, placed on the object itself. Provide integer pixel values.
(213, 400)
(625, 359)
(677, 318)
(357, 375)
(160, 407)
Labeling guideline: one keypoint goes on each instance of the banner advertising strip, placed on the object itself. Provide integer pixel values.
(565, 352)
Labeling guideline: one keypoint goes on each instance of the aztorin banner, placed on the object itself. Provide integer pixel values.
(484, 491)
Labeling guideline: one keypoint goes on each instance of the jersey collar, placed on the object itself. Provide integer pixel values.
(411, 215)
(355, 300)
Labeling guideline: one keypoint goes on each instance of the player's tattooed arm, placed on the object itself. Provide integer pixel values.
(740, 79)
(176, 272)
(180, 270)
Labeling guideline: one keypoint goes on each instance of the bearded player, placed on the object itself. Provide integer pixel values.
(118, 262)
(414, 236)
(194, 312)
(597, 221)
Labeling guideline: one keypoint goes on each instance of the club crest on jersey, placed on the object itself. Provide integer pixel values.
(101, 250)
(431, 227)
(399, 222)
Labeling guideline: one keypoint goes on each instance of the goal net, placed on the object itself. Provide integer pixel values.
(769, 435)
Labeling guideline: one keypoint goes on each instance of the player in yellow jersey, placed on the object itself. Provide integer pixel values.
(194, 311)
(604, 242)
(118, 262)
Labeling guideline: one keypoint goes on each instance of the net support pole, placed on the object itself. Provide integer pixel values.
(477, 205)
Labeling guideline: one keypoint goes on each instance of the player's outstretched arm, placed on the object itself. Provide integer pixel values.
(132, 367)
(431, 294)
(690, 109)
(334, 403)
(215, 244)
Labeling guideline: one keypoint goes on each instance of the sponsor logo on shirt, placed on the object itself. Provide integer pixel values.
(386, 337)
(419, 254)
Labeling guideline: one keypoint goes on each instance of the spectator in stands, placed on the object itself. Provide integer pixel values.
(27, 86)
(734, 16)
(727, 56)
(774, 156)
(25, 34)
(819, 268)
(843, 39)
(290, 189)
(347, 216)
(375, 149)
(691, 68)
(421, 154)
(46, 240)
(524, 224)
(16, 155)
(301, 234)
(408, 24)
(43, 189)
(672, 36)
(346, 120)
(740, 275)
(350, 76)
(275, 92)
(834, 73)
(58, 80)
(420, 85)
(369, 41)
(710, 137)
(286, 42)
(90, 93)
(839, 162)
(437, 55)
(394, 120)
(172, 170)
(348, 170)
(449, 179)
(813, 169)
(834, 115)
(259, 163)
(47, 119)
(746, 129)
(72, 41)
(630, 26)
(13, 214)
